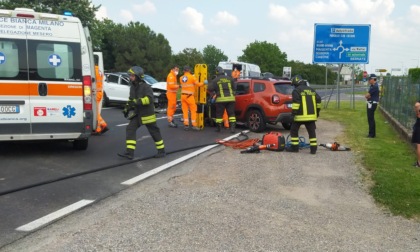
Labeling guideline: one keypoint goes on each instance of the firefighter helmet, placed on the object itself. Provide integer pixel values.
(220, 70)
(137, 71)
(297, 80)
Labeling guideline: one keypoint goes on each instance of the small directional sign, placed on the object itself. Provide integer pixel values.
(341, 43)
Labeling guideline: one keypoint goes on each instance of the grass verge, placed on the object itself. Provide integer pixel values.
(395, 183)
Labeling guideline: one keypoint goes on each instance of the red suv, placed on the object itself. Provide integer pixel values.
(263, 100)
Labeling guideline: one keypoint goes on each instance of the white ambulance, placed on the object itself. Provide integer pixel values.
(247, 69)
(47, 78)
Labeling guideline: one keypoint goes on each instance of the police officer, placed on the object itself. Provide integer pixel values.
(224, 88)
(140, 110)
(305, 110)
(372, 98)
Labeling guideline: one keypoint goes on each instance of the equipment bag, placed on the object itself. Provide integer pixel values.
(275, 139)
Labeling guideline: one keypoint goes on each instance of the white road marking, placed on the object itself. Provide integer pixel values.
(150, 173)
(54, 216)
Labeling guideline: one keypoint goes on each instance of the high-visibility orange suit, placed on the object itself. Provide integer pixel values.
(171, 91)
(236, 74)
(188, 83)
(101, 125)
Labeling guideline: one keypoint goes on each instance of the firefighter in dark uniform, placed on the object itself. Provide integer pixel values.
(224, 87)
(305, 110)
(140, 110)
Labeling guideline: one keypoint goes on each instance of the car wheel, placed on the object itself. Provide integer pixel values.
(255, 121)
(287, 126)
(105, 101)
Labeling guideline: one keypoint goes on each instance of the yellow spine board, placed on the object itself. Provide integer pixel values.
(200, 94)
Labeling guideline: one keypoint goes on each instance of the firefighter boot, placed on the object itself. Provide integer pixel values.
(218, 127)
(129, 153)
(161, 153)
(293, 148)
(232, 127)
(313, 149)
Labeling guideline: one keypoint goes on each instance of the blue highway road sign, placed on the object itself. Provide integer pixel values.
(341, 43)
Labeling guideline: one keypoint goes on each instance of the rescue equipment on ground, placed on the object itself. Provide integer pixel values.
(242, 141)
(257, 147)
(302, 142)
(274, 141)
(335, 147)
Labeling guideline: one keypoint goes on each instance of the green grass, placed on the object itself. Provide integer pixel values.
(393, 181)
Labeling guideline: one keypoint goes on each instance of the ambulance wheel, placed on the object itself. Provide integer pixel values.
(287, 126)
(80, 144)
(255, 121)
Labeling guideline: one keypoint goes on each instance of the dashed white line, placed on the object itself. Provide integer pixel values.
(54, 216)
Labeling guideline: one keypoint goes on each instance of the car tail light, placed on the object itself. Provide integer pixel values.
(275, 99)
(87, 92)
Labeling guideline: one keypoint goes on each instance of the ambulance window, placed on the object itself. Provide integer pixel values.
(55, 61)
(9, 59)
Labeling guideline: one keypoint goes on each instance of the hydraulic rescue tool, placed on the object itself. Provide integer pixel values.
(335, 147)
(256, 148)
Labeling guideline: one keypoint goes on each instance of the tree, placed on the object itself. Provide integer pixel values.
(268, 56)
(212, 56)
(188, 56)
(135, 44)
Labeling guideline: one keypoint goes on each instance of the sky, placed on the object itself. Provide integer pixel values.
(231, 25)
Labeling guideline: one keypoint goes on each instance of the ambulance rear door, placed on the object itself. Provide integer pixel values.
(55, 78)
(15, 109)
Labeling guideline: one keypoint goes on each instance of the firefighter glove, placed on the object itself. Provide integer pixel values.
(125, 112)
(132, 103)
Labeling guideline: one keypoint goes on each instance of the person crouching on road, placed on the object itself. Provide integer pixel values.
(224, 87)
(140, 110)
(188, 83)
(171, 92)
(306, 106)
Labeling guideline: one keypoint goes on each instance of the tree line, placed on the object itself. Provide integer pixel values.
(136, 44)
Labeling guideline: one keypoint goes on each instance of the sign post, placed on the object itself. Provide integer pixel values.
(341, 44)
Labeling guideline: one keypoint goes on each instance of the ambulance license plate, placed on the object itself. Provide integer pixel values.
(9, 109)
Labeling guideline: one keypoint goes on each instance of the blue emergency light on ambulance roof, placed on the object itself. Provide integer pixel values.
(68, 13)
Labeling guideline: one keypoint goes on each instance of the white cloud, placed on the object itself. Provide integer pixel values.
(193, 19)
(279, 13)
(322, 8)
(126, 15)
(415, 14)
(224, 18)
(372, 8)
(101, 14)
(146, 8)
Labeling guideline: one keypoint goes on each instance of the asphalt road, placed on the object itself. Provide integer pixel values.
(38, 178)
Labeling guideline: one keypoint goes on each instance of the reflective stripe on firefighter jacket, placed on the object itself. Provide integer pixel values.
(142, 95)
(225, 88)
(188, 82)
(171, 84)
(306, 104)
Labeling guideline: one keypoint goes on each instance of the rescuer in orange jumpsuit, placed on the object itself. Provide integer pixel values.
(101, 127)
(188, 83)
(235, 74)
(171, 91)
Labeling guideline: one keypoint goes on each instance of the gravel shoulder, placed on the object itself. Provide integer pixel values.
(226, 201)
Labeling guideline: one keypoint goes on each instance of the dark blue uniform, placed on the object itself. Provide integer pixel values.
(372, 104)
